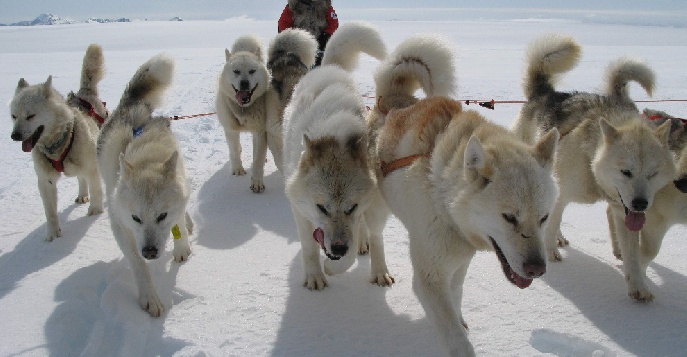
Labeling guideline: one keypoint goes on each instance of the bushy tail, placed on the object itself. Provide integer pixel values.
(149, 82)
(420, 61)
(93, 69)
(547, 57)
(627, 69)
(349, 41)
(247, 43)
(292, 44)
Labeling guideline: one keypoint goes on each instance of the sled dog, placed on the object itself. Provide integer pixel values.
(459, 184)
(61, 138)
(248, 99)
(145, 178)
(607, 151)
(331, 187)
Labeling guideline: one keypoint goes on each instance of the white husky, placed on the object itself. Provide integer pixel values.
(328, 179)
(145, 178)
(458, 183)
(61, 138)
(607, 151)
(249, 100)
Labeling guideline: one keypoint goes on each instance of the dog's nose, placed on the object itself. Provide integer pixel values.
(244, 85)
(149, 252)
(339, 248)
(16, 136)
(534, 269)
(639, 204)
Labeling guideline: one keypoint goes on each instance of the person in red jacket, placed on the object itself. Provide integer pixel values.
(315, 16)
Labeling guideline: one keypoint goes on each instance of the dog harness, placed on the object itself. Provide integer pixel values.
(390, 167)
(58, 164)
(91, 111)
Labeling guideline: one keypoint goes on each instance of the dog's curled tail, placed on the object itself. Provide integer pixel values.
(149, 82)
(422, 61)
(293, 42)
(627, 69)
(93, 69)
(349, 41)
(247, 43)
(547, 57)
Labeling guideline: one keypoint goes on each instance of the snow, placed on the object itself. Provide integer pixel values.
(241, 292)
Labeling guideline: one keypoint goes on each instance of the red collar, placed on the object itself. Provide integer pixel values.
(59, 163)
(388, 168)
(91, 111)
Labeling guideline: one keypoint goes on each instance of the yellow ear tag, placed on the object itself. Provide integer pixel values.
(176, 233)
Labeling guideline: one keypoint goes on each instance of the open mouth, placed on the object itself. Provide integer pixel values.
(28, 144)
(318, 235)
(634, 221)
(243, 97)
(511, 275)
(681, 184)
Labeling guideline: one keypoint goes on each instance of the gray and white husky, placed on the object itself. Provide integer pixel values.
(249, 100)
(607, 150)
(145, 178)
(61, 138)
(329, 182)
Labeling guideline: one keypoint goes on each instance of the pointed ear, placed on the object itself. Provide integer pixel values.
(545, 149)
(307, 142)
(227, 54)
(47, 87)
(170, 167)
(21, 85)
(662, 133)
(125, 168)
(474, 154)
(609, 132)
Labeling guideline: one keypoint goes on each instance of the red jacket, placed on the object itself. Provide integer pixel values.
(286, 20)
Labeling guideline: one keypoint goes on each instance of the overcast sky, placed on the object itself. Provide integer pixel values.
(19, 10)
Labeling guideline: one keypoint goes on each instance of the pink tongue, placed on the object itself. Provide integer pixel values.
(520, 281)
(634, 221)
(318, 235)
(240, 95)
(26, 145)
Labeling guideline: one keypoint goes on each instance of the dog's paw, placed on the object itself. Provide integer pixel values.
(257, 186)
(363, 247)
(562, 242)
(641, 295)
(82, 199)
(152, 305)
(315, 282)
(53, 233)
(382, 279)
(238, 171)
(181, 253)
(554, 255)
(93, 210)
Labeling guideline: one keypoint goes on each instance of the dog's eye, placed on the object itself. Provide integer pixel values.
(323, 210)
(29, 117)
(14, 117)
(251, 71)
(543, 219)
(652, 175)
(237, 72)
(510, 219)
(161, 217)
(136, 219)
(348, 213)
(626, 173)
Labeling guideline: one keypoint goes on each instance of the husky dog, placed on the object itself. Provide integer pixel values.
(247, 101)
(459, 184)
(608, 151)
(145, 178)
(329, 182)
(61, 138)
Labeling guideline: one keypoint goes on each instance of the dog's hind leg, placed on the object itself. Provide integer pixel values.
(375, 217)
(96, 191)
(83, 190)
(457, 288)
(47, 187)
(234, 143)
(259, 156)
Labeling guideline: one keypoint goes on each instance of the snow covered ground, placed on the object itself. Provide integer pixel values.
(240, 293)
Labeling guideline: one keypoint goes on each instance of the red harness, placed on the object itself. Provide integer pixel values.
(91, 111)
(59, 163)
(390, 167)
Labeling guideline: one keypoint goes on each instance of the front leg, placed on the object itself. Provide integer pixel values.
(180, 234)
(96, 190)
(553, 227)
(376, 216)
(629, 248)
(234, 142)
(259, 157)
(83, 190)
(314, 278)
(47, 187)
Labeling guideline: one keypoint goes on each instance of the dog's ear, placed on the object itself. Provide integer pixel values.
(125, 168)
(170, 167)
(610, 133)
(227, 54)
(545, 149)
(474, 154)
(356, 146)
(21, 85)
(47, 87)
(662, 133)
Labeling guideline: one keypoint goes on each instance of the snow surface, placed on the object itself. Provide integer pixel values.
(241, 292)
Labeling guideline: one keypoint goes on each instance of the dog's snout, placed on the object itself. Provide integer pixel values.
(16, 136)
(535, 269)
(339, 248)
(639, 204)
(149, 252)
(244, 85)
